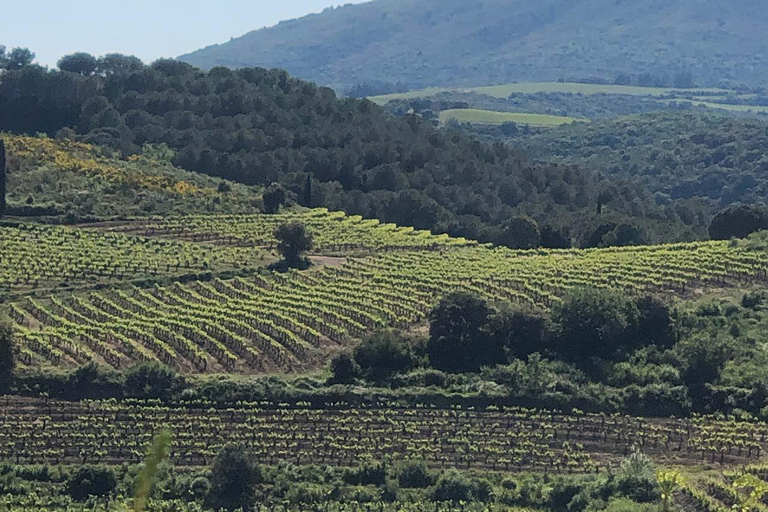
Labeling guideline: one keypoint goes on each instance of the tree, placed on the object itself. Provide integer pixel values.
(3, 177)
(520, 232)
(3, 57)
(460, 338)
(684, 80)
(293, 241)
(234, 477)
(117, 64)
(19, 58)
(6, 356)
(522, 331)
(593, 324)
(80, 63)
(151, 380)
(384, 354)
(91, 481)
(275, 197)
(455, 487)
(344, 369)
(738, 221)
(656, 323)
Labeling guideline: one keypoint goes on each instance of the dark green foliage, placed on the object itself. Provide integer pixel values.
(460, 337)
(93, 381)
(7, 355)
(80, 63)
(522, 331)
(259, 127)
(655, 323)
(293, 241)
(344, 369)
(275, 197)
(369, 473)
(91, 481)
(152, 380)
(454, 486)
(16, 59)
(384, 354)
(520, 232)
(538, 40)
(233, 480)
(414, 474)
(738, 221)
(700, 156)
(3, 177)
(593, 324)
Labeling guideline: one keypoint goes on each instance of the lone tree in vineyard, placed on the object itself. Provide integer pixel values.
(2, 177)
(293, 241)
(233, 480)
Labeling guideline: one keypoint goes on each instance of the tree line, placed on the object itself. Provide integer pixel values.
(260, 127)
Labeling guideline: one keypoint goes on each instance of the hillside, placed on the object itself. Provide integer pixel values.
(423, 43)
(721, 159)
(258, 127)
(65, 178)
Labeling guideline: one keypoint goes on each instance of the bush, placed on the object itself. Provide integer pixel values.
(414, 474)
(344, 369)
(593, 324)
(384, 354)
(91, 481)
(370, 473)
(233, 480)
(455, 487)
(738, 221)
(460, 335)
(152, 380)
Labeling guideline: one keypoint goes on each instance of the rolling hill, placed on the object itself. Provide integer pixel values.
(472, 42)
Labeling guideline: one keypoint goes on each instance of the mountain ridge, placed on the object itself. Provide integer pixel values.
(476, 42)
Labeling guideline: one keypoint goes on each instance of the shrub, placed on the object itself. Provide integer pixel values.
(233, 480)
(384, 354)
(414, 474)
(455, 487)
(91, 481)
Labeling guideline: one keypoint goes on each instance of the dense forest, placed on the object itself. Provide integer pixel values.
(425, 43)
(257, 127)
(722, 159)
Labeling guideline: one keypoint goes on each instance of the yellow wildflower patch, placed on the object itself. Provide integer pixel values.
(71, 156)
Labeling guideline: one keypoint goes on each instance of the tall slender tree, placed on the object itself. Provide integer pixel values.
(2, 177)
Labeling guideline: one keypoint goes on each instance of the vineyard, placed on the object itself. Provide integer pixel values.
(509, 439)
(33, 256)
(288, 322)
(333, 231)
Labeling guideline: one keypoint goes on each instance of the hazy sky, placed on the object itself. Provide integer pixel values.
(146, 28)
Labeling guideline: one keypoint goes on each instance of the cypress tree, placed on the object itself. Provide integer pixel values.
(2, 177)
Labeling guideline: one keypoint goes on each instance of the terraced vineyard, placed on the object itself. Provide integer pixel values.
(287, 322)
(333, 231)
(512, 439)
(33, 256)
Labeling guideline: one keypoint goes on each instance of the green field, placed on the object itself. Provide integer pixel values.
(726, 106)
(503, 91)
(497, 118)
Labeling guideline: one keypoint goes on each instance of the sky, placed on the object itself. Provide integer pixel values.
(149, 29)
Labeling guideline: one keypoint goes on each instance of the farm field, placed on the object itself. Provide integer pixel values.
(475, 116)
(291, 322)
(38, 256)
(503, 91)
(507, 439)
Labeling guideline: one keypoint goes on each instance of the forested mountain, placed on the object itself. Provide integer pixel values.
(257, 127)
(420, 43)
(722, 159)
